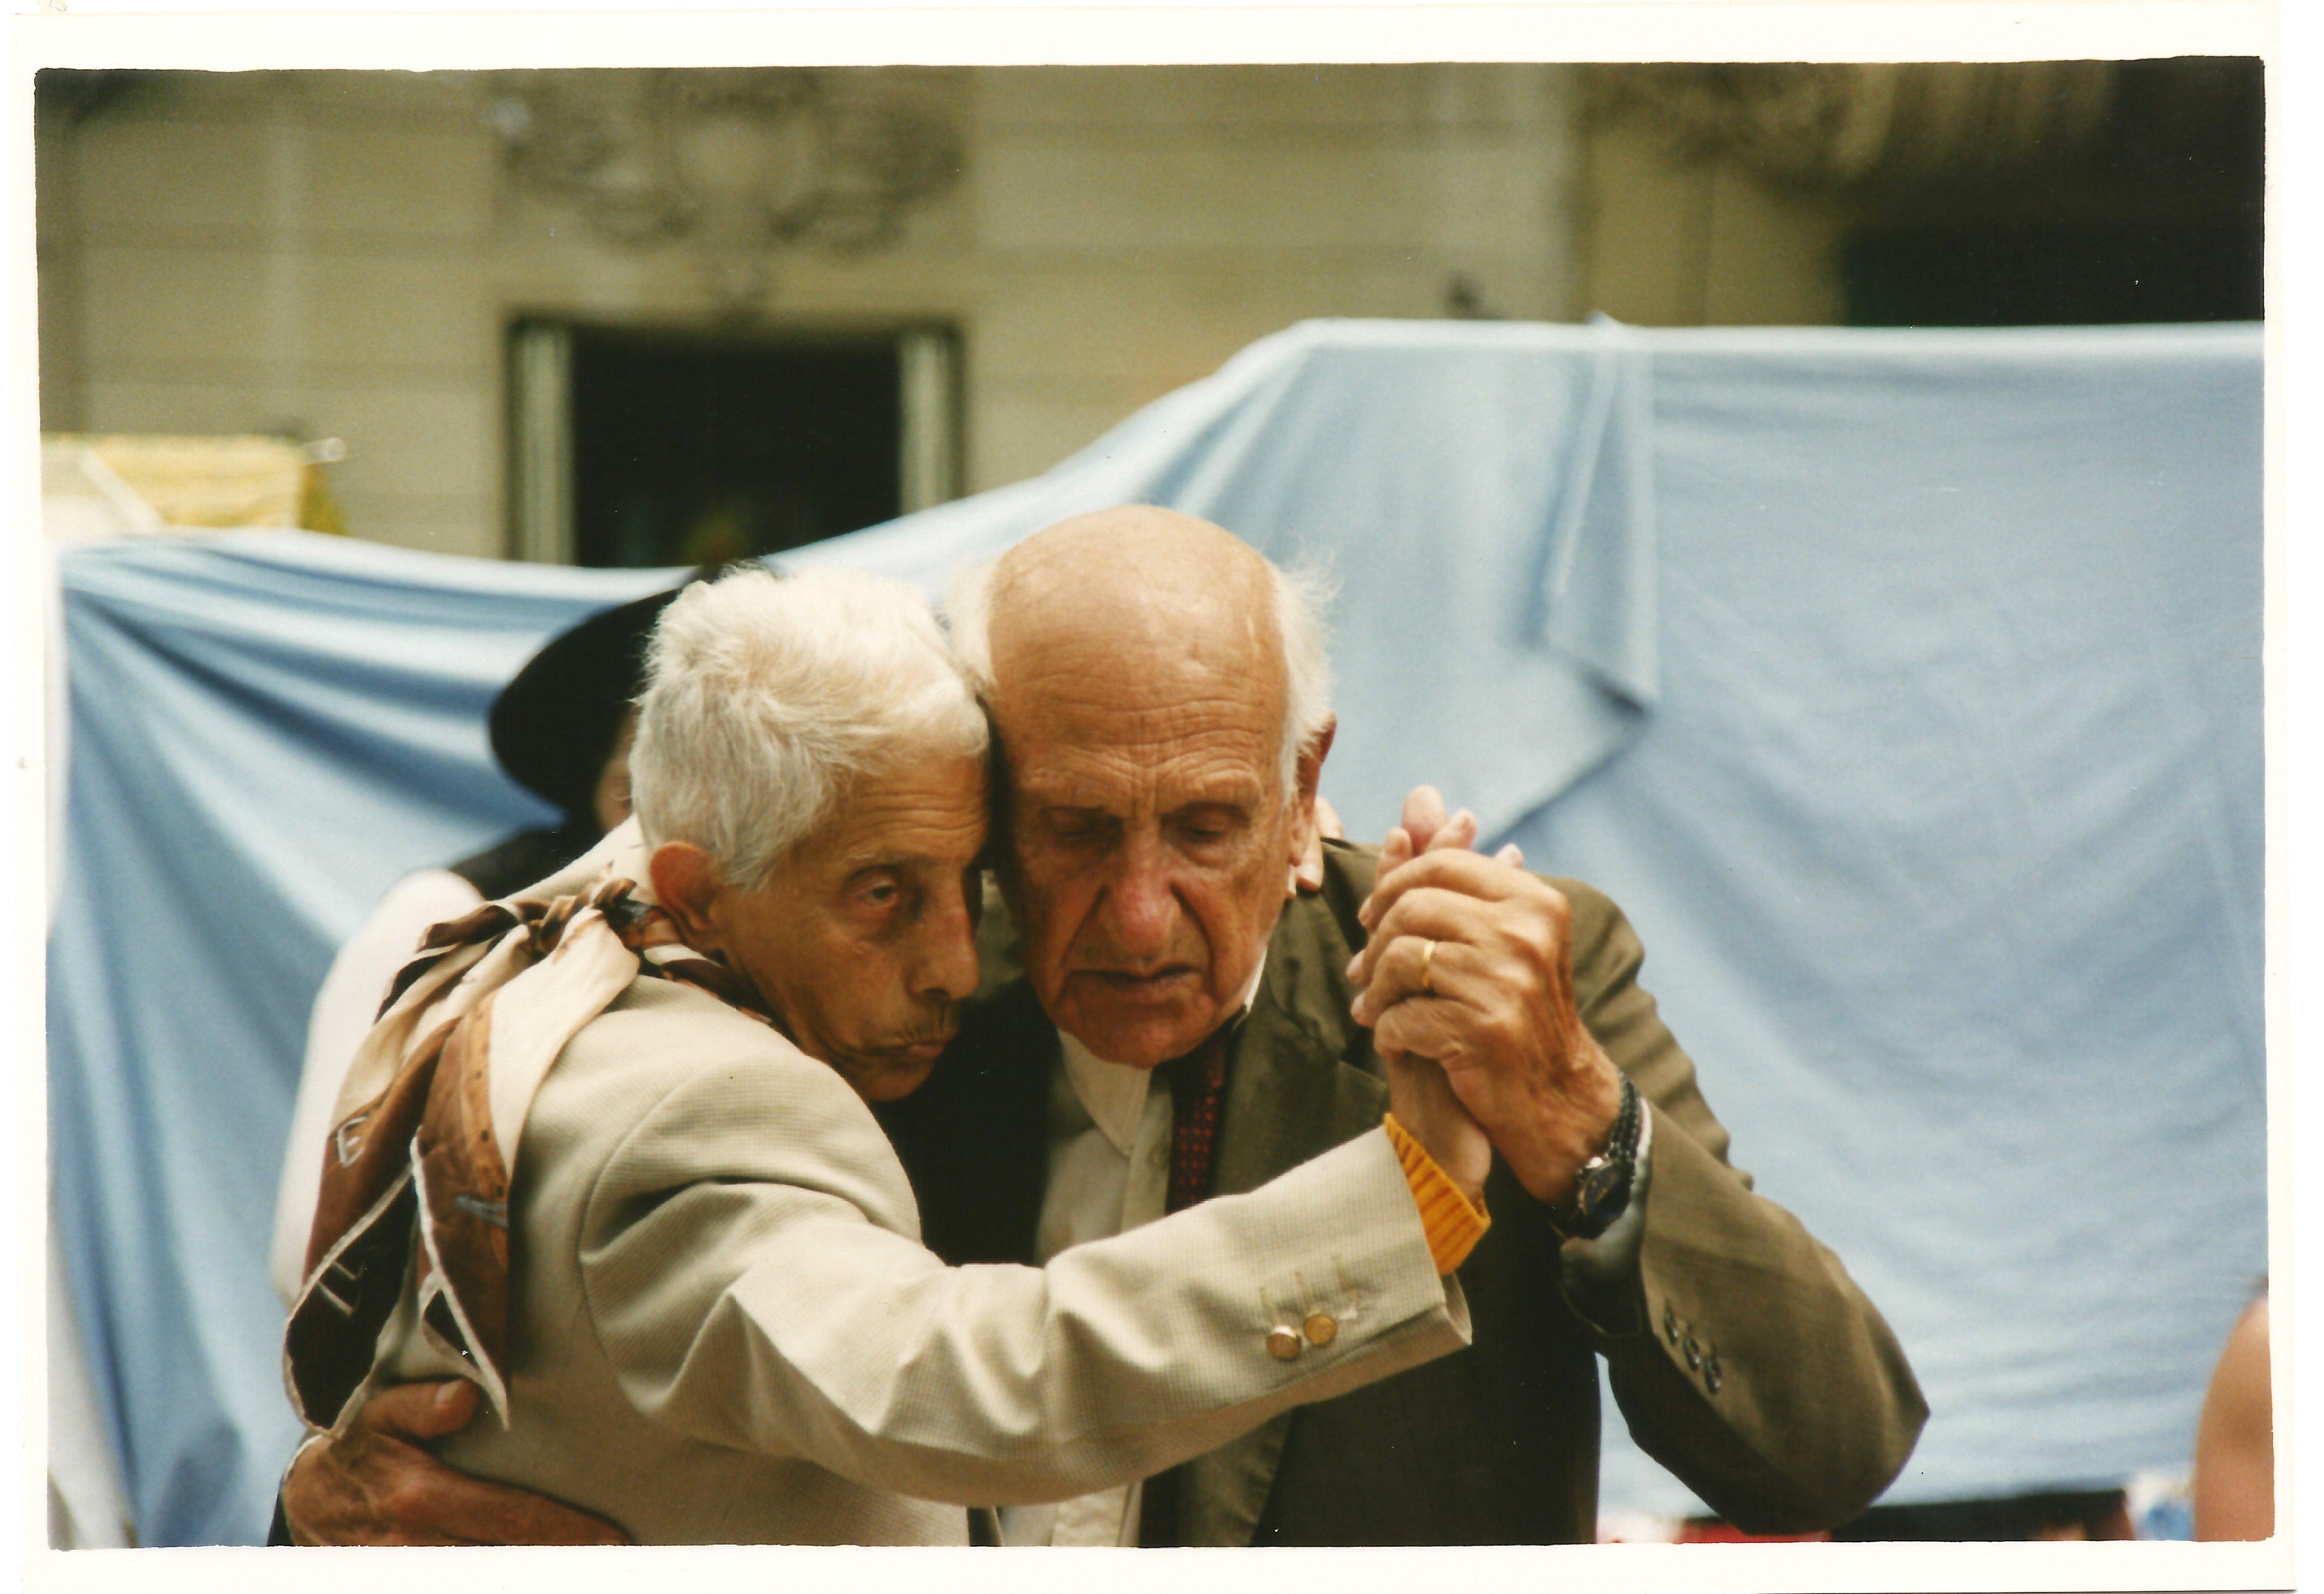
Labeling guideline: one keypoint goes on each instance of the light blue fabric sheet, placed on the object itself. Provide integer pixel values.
(1905, 687)
(1945, 845)
(267, 730)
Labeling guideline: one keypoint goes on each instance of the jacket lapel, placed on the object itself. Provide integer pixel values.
(973, 1139)
(1302, 1079)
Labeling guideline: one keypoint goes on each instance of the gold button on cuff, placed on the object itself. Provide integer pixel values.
(1321, 1328)
(1282, 1343)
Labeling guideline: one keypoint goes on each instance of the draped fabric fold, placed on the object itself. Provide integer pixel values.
(1497, 479)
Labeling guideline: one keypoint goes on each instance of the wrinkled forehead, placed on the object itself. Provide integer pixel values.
(917, 813)
(1075, 698)
(1083, 753)
(1136, 642)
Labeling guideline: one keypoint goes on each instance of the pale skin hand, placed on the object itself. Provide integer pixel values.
(377, 1484)
(1499, 1015)
(1423, 816)
(1418, 1094)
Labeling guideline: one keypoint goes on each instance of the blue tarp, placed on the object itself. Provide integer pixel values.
(1903, 687)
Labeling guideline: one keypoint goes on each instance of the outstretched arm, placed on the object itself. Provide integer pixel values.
(1744, 1358)
(735, 1279)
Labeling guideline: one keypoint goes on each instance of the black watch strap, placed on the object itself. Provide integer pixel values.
(1602, 1189)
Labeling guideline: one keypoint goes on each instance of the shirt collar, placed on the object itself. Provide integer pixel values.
(1114, 1094)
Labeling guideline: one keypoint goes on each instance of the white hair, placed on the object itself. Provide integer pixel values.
(1301, 597)
(767, 695)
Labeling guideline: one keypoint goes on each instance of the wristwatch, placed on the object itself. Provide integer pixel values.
(1601, 1186)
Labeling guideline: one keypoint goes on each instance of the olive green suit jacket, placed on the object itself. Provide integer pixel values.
(1744, 1358)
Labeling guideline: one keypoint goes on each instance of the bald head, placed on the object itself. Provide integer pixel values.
(1158, 691)
(1162, 594)
(1175, 602)
(1139, 560)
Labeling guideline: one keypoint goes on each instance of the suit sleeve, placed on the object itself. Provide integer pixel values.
(749, 1267)
(1749, 1363)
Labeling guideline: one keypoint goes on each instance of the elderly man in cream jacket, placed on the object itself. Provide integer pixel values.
(608, 1156)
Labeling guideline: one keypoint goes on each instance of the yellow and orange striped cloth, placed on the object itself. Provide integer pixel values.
(1453, 1223)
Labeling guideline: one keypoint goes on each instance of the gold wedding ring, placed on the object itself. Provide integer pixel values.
(1428, 956)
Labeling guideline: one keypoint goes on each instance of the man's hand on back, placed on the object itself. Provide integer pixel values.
(377, 1484)
(1468, 964)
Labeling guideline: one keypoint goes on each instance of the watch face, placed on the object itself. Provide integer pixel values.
(1598, 1187)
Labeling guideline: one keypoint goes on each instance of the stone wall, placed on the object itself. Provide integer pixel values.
(341, 254)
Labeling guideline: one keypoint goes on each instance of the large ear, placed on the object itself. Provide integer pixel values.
(1307, 836)
(1311, 761)
(687, 884)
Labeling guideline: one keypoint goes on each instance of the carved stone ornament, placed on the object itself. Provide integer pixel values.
(738, 162)
(1880, 127)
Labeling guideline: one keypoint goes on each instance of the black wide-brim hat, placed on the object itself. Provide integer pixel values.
(553, 725)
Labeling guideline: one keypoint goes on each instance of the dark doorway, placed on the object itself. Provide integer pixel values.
(657, 446)
(2057, 275)
(2162, 219)
(689, 449)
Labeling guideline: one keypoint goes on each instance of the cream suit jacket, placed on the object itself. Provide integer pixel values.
(723, 1328)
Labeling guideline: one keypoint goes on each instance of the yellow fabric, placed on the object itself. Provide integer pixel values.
(205, 481)
(1453, 1223)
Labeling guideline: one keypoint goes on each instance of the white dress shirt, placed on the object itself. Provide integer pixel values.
(1109, 1136)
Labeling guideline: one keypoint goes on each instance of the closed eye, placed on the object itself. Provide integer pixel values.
(1073, 825)
(1208, 821)
(877, 889)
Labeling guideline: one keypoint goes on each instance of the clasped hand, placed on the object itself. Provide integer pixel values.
(1469, 968)
(375, 1482)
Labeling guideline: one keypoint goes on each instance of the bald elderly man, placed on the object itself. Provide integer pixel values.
(1159, 693)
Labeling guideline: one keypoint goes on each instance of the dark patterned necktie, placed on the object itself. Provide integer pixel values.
(1198, 1088)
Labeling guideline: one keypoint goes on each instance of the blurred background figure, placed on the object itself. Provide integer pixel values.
(561, 730)
(2234, 1443)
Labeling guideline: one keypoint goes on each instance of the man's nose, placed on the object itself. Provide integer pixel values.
(1141, 908)
(947, 964)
